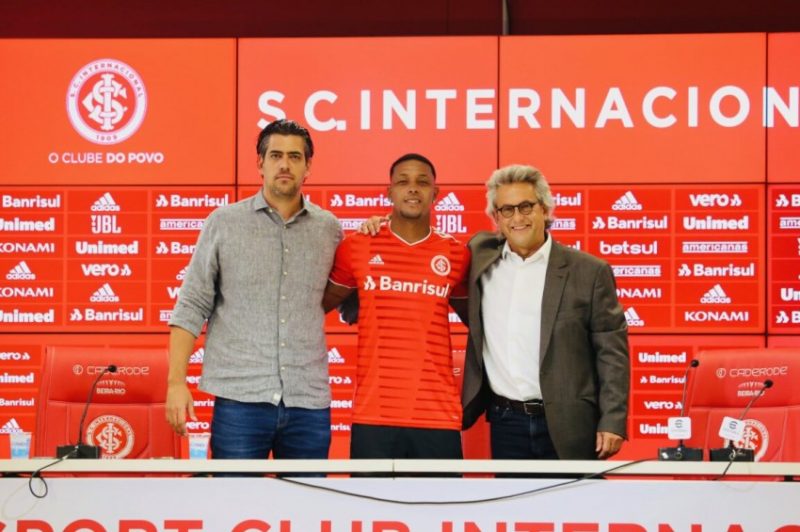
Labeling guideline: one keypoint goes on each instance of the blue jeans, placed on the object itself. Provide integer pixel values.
(519, 436)
(253, 430)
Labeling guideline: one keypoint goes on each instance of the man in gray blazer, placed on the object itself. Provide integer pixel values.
(547, 356)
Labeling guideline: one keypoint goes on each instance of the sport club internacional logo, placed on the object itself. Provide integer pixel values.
(106, 101)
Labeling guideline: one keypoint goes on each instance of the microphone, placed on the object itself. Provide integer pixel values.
(80, 449)
(732, 430)
(680, 428)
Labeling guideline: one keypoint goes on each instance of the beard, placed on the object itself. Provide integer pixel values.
(285, 191)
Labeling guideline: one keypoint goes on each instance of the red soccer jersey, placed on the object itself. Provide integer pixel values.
(404, 371)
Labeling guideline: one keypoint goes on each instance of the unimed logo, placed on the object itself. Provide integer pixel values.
(17, 378)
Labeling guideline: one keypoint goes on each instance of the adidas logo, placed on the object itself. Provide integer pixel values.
(334, 357)
(181, 274)
(715, 295)
(633, 319)
(20, 272)
(627, 202)
(104, 294)
(197, 356)
(10, 426)
(105, 203)
(449, 203)
(376, 260)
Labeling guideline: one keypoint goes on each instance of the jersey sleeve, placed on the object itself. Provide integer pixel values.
(461, 290)
(342, 271)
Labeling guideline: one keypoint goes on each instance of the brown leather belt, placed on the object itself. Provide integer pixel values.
(533, 407)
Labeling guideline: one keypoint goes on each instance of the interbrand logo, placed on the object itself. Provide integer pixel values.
(728, 270)
(104, 294)
(10, 426)
(105, 203)
(738, 247)
(716, 316)
(352, 200)
(21, 272)
(334, 357)
(626, 202)
(387, 284)
(35, 202)
(715, 295)
(636, 270)
(715, 200)
(709, 223)
(106, 101)
(178, 201)
(633, 319)
(639, 293)
(643, 223)
(524, 107)
(449, 203)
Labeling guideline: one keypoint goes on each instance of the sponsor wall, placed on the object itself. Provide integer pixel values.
(672, 157)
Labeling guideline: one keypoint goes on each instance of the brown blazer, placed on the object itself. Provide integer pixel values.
(584, 367)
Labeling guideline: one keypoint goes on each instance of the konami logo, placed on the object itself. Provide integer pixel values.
(20, 272)
(702, 316)
(639, 293)
(27, 292)
(32, 248)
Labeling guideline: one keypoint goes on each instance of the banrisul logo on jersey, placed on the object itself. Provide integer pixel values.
(106, 101)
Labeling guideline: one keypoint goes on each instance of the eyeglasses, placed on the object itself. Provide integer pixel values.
(526, 207)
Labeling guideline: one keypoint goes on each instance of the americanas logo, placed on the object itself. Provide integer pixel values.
(106, 101)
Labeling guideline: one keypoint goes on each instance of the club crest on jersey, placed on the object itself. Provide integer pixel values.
(440, 265)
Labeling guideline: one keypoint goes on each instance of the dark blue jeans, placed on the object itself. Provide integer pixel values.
(253, 430)
(519, 436)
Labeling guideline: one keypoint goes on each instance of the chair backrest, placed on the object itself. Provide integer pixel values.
(127, 416)
(727, 380)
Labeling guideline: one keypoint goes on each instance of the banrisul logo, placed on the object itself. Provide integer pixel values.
(106, 101)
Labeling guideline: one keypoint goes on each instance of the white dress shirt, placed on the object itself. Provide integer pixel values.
(512, 316)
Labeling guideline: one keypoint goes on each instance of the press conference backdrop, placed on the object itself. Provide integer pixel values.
(673, 157)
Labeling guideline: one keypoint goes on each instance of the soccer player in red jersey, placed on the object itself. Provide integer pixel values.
(406, 401)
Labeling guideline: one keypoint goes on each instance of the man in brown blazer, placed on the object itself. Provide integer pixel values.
(547, 356)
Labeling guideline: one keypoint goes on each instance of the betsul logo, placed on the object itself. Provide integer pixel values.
(106, 101)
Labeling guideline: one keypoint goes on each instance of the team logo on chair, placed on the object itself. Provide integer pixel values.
(106, 101)
(755, 437)
(112, 434)
(440, 265)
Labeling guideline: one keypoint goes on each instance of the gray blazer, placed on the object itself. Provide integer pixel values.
(584, 366)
